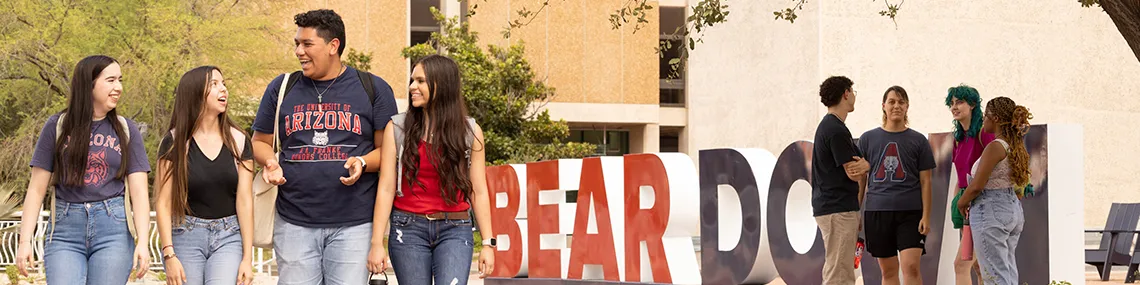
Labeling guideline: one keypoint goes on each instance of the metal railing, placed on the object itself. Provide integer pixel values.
(9, 240)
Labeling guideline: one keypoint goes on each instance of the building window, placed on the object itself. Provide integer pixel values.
(422, 22)
(608, 142)
(670, 143)
(672, 85)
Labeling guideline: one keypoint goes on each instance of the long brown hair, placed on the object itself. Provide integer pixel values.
(189, 100)
(448, 126)
(1012, 122)
(71, 154)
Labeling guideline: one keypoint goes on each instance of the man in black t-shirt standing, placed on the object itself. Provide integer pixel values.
(330, 129)
(837, 166)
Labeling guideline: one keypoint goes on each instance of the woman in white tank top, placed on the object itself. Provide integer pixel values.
(993, 207)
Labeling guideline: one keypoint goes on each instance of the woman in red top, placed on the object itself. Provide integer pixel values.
(436, 178)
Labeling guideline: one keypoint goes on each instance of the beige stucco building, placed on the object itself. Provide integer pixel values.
(754, 81)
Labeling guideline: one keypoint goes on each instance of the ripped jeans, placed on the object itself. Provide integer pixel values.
(421, 249)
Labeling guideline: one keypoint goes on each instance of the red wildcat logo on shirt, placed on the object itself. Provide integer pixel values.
(96, 168)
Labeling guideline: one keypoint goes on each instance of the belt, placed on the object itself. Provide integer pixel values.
(464, 215)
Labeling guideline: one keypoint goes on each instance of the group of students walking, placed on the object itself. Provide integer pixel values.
(887, 174)
(346, 166)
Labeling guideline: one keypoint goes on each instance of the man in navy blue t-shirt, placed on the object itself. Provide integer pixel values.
(327, 171)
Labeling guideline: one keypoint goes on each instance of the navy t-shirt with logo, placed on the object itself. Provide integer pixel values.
(104, 158)
(316, 140)
(896, 160)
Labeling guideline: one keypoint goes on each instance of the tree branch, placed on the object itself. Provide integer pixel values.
(1126, 15)
(66, 12)
(15, 77)
(524, 13)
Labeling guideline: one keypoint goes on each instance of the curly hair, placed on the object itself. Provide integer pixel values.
(970, 95)
(328, 24)
(831, 90)
(1012, 122)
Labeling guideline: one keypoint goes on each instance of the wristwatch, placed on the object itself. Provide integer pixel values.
(491, 242)
(363, 164)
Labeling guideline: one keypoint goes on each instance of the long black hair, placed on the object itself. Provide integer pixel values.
(72, 145)
(447, 144)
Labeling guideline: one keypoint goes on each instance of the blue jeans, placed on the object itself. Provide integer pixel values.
(209, 250)
(996, 220)
(314, 256)
(90, 245)
(421, 249)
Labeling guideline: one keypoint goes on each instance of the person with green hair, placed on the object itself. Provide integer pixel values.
(969, 140)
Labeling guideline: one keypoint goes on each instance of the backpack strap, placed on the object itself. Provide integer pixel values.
(398, 136)
(366, 80)
(289, 81)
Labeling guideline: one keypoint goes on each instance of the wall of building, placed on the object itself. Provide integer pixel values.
(371, 26)
(572, 46)
(1066, 63)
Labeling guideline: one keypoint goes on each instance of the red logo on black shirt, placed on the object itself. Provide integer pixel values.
(891, 165)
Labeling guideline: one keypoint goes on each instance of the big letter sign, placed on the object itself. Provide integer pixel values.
(636, 217)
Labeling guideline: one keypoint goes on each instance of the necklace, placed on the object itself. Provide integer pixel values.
(320, 99)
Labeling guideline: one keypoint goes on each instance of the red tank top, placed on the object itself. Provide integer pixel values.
(427, 199)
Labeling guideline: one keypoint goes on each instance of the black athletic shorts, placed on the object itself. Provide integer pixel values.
(889, 232)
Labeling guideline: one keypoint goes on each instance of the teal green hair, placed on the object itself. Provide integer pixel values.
(970, 95)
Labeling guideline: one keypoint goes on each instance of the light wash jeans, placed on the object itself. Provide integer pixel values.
(996, 220)
(90, 245)
(423, 250)
(209, 250)
(315, 256)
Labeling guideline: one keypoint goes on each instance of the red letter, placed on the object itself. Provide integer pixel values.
(503, 179)
(356, 124)
(596, 248)
(541, 219)
(646, 225)
(319, 123)
(343, 120)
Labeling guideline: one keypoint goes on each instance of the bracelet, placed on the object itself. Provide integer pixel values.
(167, 257)
(166, 246)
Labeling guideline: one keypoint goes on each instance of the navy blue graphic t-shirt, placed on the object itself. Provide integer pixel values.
(897, 160)
(104, 158)
(316, 139)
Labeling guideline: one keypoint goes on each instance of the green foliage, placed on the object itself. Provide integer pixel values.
(478, 246)
(13, 274)
(358, 60)
(790, 13)
(502, 95)
(706, 13)
(1055, 282)
(154, 41)
(634, 9)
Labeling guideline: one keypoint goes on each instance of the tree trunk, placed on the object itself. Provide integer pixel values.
(1126, 15)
